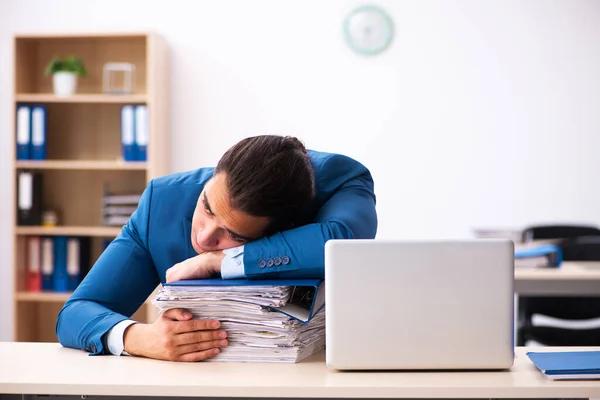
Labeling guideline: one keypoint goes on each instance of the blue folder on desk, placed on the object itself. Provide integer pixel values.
(558, 365)
(548, 255)
(296, 307)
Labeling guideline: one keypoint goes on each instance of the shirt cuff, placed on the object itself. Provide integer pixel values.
(114, 339)
(232, 265)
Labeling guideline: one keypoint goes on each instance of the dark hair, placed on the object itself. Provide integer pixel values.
(269, 176)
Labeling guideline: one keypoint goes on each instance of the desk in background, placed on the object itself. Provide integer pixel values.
(49, 369)
(570, 279)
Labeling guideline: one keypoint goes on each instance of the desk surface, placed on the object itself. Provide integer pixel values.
(46, 368)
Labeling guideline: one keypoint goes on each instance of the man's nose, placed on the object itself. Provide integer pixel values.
(208, 237)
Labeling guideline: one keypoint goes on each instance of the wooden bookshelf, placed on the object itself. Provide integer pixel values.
(43, 297)
(48, 297)
(83, 150)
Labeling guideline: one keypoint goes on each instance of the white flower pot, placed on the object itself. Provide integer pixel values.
(65, 83)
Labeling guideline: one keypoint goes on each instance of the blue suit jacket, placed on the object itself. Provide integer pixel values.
(157, 237)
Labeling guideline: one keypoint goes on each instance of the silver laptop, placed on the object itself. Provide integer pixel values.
(446, 304)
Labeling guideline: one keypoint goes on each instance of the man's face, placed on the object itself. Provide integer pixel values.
(217, 226)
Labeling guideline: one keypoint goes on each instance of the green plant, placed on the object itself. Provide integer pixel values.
(68, 64)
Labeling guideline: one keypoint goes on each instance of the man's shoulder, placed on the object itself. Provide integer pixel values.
(185, 178)
(321, 159)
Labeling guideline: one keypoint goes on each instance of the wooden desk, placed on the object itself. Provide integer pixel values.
(46, 368)
(571, 279)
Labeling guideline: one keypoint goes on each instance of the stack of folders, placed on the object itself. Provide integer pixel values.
(557, 365)
(117, 208)
(539, 256)
(134, 132)
(265, 320)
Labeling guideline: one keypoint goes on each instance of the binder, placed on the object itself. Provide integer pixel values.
(47, 264)
(29, 198)
(23, 122)
(73, 263)
(60, 278)
(141, 132)
(34, 258)
(38, 133)
(308, 296)
(106, 243)
(567, 365)
(78, 260)
(128, 133)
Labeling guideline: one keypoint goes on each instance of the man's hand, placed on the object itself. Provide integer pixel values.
(201, 266)
(175, 336)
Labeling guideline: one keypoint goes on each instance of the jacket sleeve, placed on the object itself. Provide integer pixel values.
(348, 213)
(117, 285)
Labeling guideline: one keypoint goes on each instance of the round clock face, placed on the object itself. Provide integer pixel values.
(368, 30)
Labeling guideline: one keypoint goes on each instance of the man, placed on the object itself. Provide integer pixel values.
(265, 211)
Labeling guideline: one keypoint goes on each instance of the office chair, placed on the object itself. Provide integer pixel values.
(577, 244)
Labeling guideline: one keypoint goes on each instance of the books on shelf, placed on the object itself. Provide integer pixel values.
(56, 264)
(265, 320)
(134, 132)
(31, 124)
(567, 365)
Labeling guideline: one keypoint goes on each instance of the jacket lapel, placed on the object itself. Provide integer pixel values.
(187, 234)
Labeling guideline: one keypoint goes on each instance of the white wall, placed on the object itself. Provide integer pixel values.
(481, 113)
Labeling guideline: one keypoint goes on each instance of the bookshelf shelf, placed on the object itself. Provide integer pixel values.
(45, 297)
(81, 98)
(83, 165)
(52, 297)
(82, 160)
(92, 231)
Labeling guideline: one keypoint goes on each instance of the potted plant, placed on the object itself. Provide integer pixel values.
(65, 73)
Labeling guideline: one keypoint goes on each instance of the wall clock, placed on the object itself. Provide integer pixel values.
(368, 30)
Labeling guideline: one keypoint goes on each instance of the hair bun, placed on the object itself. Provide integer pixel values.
(296, 143)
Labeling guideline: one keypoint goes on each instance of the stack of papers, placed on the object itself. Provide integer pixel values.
(559, 365)
(264, 323)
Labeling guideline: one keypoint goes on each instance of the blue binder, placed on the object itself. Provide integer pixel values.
(313, 289)
(558, 365)
(38, 133)
(73, 263)
(23, 125)
(47, 264)
(78, 260)
(106, 243)
(128, 133)
(141, 132)
(60, 277)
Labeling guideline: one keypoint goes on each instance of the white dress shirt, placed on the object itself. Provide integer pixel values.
(232, 267)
